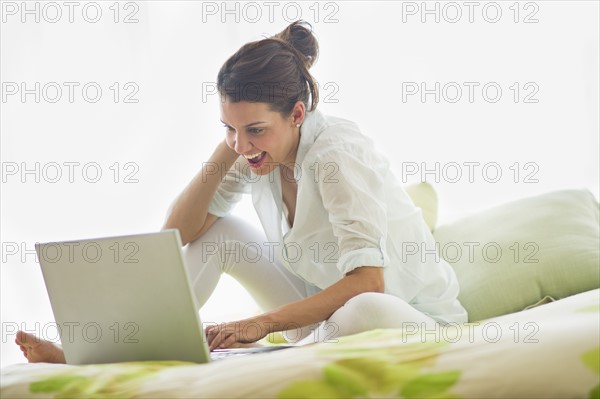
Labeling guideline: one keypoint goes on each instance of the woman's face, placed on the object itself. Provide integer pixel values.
(264, 137)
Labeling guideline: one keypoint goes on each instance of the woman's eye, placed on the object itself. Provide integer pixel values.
(228, 128)
(255, 130)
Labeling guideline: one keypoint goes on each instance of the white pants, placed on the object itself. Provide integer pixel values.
(235, 247)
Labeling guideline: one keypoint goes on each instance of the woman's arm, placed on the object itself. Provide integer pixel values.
(301, 313)
(189, 213)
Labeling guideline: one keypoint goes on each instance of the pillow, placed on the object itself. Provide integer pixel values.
(524, 253)
(423, 195)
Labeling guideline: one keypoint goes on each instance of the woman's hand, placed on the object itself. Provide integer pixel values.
(304, 312)
(226, 335)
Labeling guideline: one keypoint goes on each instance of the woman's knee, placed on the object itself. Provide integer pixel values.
(371, 307)
(226, 241)
(372, 310)
(226, 228)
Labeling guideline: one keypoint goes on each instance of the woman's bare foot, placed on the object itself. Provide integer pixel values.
(38, 350)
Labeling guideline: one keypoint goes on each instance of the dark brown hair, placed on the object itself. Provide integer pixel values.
(273, 70)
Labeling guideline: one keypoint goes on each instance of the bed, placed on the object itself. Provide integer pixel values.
(550, 351)
(533, 328)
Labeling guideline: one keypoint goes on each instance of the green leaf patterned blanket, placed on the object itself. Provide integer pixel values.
(551, 351)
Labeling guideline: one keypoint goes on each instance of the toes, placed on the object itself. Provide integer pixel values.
(26, 339)
(22, 337)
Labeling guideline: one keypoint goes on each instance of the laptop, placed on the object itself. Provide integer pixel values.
(126, 298)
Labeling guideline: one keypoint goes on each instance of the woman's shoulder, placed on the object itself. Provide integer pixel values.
(334, 134)
(322, 122)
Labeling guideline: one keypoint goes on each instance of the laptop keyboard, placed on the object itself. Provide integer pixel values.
(219, 354)
(223, 355)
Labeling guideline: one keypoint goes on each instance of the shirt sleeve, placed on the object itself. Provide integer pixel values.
(351, 185)
(233, 185)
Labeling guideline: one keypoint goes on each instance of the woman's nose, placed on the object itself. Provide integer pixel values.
(242, 146)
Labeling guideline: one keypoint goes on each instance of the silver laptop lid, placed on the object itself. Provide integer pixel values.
(123, 298)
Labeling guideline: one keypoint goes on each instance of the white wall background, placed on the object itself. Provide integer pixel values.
(370, 51)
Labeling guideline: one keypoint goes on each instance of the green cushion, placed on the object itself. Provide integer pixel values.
(549, 249)
(423, 195)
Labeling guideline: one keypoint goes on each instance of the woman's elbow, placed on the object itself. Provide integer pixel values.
(378, 285)
(371, 278)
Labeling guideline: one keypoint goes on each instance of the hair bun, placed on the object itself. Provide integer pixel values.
(283, 59)
(301, 37)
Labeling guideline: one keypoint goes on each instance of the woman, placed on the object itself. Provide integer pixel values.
(336, 220)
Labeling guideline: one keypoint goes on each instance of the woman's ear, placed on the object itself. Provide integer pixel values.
(298, 113)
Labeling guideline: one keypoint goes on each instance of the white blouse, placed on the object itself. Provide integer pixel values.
(351, 211)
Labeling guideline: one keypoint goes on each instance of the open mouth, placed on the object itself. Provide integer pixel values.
(256, 160)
